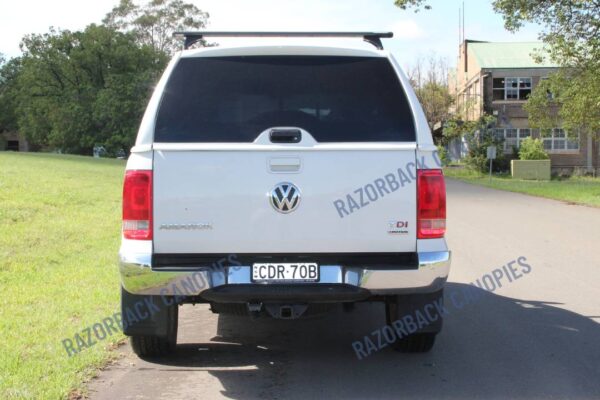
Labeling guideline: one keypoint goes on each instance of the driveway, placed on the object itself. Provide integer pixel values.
(535, 338)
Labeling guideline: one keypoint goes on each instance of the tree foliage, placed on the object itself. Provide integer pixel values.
(81, 89)
(569, 98)
(416, 4)
(532, 149)
(478, 135)
(570, 27)
(9, 71)
(455, 127)
(153, 24)
(71, 91)
(572, 33)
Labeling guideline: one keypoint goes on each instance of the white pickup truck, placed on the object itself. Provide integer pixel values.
(279, 178)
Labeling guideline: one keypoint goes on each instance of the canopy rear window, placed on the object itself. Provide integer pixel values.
(234, 99)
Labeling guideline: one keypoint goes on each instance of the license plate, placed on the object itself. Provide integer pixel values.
(285, 272)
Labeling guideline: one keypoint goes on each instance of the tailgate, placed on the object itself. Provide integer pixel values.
(218, 201)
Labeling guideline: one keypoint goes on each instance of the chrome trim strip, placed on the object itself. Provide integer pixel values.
(138, 277)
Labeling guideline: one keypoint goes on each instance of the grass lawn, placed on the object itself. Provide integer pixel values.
(59, 237)
(580, 190)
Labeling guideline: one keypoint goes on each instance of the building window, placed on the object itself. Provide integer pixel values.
(512, 137)
(558, 141)
(499, 89)
(511, 88)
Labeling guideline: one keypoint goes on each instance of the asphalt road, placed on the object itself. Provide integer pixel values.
(535, 338)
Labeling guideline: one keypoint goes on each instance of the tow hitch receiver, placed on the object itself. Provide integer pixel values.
(286, 311)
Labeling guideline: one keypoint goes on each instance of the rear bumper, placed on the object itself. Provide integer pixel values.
(300, 293)
(233, 284)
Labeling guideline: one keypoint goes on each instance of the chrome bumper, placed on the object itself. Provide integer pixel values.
(138, 277)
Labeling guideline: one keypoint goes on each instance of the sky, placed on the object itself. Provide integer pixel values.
(415, 34)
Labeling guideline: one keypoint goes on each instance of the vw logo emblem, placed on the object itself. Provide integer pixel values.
(285, 197)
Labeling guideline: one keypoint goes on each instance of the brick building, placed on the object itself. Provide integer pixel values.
(496, 78)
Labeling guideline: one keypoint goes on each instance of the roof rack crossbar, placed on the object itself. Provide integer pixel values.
(373, 38)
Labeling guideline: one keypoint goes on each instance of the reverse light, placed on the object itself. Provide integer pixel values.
(431, 204)
(137, 205)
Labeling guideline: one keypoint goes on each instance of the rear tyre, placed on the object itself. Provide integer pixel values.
(151, 322)
(156, 346)
(397, 308)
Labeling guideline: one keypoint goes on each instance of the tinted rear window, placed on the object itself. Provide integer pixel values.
(234, 99)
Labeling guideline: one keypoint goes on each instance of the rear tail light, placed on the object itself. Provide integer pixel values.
(137, 205)
(431, 204)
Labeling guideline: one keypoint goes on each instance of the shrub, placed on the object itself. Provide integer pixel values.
(478, 135)
(476, 162)
(443, 155)
(476, 158)
(532, 149)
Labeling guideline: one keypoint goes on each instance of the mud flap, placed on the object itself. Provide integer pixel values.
(147, 315)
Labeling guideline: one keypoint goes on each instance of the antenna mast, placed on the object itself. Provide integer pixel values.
(459, 27)
(463, 21)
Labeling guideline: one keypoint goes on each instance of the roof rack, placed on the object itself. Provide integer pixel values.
(373, 38)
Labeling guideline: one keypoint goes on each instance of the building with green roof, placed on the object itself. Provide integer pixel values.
(497, 78)
(509, 55)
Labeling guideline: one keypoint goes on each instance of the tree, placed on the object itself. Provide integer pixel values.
(9, 71)
(478, 135)
(81, 89)
(153, 24)
(571, 28)
(75, 90)
(571, 31)
(431, 87)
